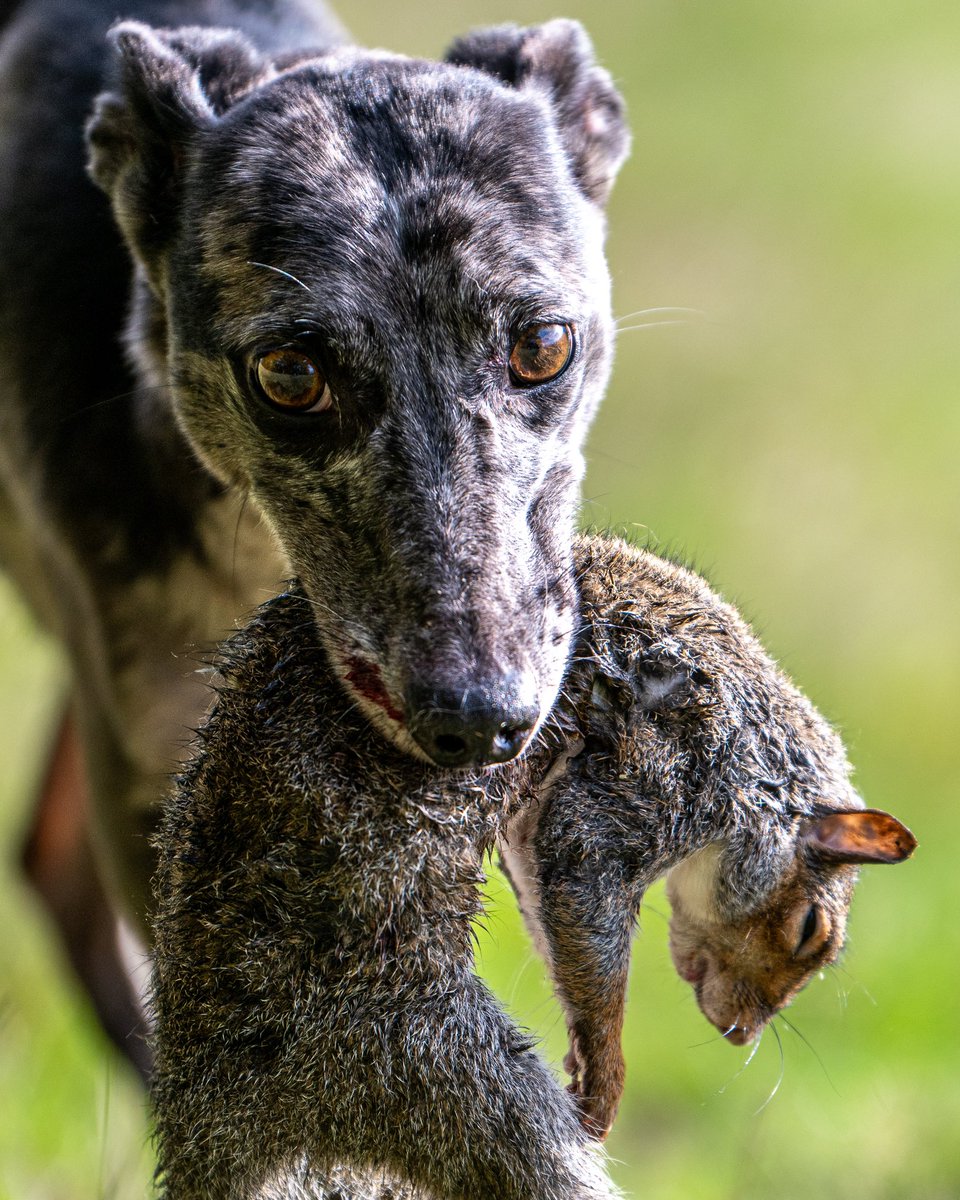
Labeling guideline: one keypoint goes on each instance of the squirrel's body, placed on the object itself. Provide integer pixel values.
(315, 991)
(315, 994)
(683, 750)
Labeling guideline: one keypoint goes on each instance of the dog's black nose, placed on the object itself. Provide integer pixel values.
(482, 724)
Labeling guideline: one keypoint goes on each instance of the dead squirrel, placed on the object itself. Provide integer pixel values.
(680, 747)
(314, 989)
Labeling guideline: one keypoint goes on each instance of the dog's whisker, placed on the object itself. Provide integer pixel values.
(665, 308)
(280, 271)
(120, 396)
(234, 578)
(650, 325)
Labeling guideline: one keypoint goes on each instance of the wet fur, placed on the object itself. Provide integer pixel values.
(315, 993)
(686, 743)
(315, 999)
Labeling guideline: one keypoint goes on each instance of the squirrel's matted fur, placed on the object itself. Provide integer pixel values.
(679, 747)
(314, 990)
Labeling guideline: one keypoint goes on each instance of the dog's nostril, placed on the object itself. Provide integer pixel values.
(510, 737)
(450, 744)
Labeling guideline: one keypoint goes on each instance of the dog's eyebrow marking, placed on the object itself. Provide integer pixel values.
(278, 271)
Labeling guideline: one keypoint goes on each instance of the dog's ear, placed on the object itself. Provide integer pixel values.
(558, 59)
(171, 85)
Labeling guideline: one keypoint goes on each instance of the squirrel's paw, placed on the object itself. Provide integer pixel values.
(596, 1083)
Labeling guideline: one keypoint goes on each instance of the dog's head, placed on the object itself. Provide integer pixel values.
(380, 289)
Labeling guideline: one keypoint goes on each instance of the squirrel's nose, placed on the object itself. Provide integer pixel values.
(485, 723)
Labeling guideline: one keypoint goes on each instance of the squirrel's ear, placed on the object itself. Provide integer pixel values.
(171, 85)
(557, 58)
(864, 835)
(662, 681)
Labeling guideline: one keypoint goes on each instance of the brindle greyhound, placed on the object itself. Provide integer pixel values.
(365, 312)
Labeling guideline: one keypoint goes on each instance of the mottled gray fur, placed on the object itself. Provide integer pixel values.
(402, 223)
(260, 184)
(315, 992)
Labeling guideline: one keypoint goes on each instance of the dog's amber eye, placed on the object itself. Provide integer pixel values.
(292, 381)
(540, 354)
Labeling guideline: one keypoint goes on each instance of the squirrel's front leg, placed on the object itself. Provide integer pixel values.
(579, 904)
(589, 925)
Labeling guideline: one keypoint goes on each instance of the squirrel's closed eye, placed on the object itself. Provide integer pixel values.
(292, 382)
(813, 932)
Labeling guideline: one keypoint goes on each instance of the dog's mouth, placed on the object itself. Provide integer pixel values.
(447, 735)
(363, 678)
(363, 681)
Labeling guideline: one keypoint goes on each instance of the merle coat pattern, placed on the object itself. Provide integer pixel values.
(314, 987)
(400, 226)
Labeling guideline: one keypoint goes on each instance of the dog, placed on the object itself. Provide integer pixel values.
(271, 303)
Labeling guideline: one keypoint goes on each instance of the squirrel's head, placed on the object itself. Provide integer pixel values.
(745, 967)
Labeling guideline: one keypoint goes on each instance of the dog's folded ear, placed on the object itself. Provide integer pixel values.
(170, 86)
(557, 58)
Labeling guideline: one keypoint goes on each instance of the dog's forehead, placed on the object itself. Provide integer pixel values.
(421, 175)
(397, 124)
(399, 114)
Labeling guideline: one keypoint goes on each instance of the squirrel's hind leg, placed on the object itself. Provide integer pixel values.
(479, 1114)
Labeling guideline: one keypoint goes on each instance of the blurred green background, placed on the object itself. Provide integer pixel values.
(795, 180)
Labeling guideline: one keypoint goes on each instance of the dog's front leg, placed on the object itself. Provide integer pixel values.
(59, 861)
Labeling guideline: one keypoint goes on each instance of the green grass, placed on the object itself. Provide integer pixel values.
(795, 178)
